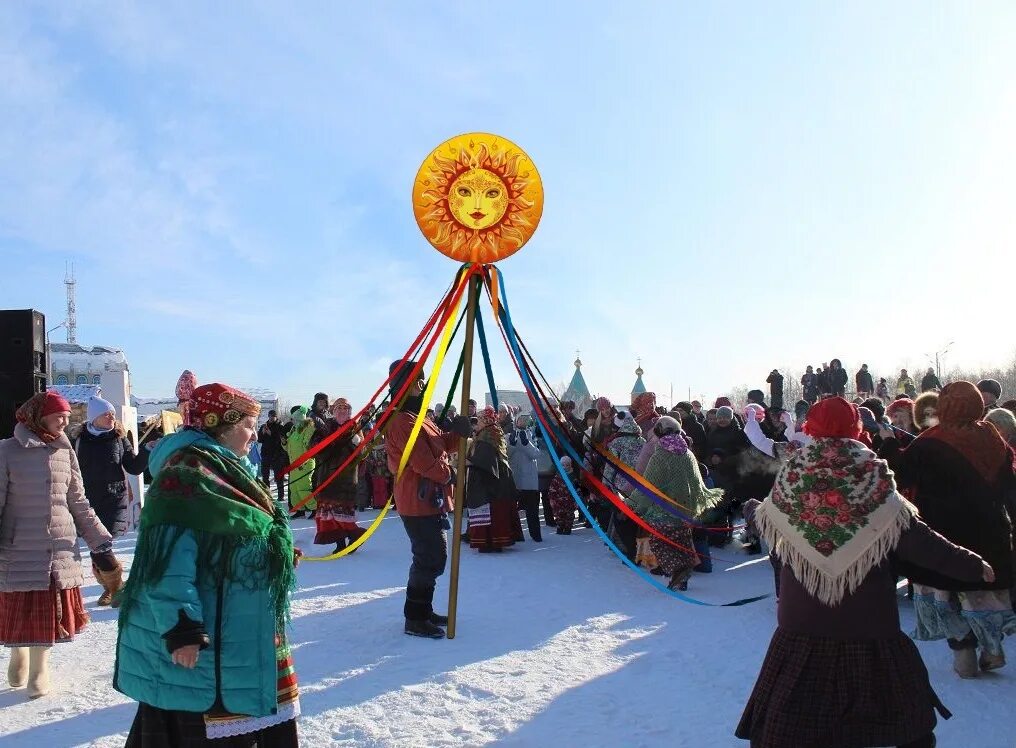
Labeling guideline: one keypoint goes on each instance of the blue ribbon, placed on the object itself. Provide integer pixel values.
(528, 383)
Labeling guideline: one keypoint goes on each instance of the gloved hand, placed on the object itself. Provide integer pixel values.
(524, 437)
(753, 411)
(462, 427)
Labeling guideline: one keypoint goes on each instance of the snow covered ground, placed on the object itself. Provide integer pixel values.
(558, 644)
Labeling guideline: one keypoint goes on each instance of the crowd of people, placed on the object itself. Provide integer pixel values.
(847, 496)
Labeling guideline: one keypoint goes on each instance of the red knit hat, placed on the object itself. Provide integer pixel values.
(216, 404)
(54, 403)
(833, 418)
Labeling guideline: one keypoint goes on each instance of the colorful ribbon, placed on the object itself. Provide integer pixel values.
(509, 329)
(446, 339)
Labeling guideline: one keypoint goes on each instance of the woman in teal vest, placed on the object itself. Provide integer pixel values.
(202, 642)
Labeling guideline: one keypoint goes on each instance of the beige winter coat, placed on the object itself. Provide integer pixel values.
(43, 509)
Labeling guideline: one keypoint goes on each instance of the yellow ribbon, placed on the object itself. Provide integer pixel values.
(446, 336)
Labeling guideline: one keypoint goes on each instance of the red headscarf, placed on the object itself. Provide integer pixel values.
(42, 404)
(959, 412)
(185, 387)
(643, 407)
(834, 418)
(217, 404)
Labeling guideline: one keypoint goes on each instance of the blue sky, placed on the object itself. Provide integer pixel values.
(728, 188)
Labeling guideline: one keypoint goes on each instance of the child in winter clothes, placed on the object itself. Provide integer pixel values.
(43, 510)
(561, 499)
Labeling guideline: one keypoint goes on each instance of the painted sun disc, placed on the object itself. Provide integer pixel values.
(478, 198)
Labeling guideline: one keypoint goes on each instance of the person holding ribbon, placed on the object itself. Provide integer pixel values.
(335, 517)
(674, 471)
(422, 495)
(202, 642)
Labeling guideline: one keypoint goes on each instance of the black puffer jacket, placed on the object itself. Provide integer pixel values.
(104, 459)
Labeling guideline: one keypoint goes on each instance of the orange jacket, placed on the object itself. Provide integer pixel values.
(427, 461)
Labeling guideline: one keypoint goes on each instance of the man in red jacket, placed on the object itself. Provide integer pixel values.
(422, 498)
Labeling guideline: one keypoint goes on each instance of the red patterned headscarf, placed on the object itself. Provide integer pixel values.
(219, 404)
(643, 407)
(185, 387)
(490, 431)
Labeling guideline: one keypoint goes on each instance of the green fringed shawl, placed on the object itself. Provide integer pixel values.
(243, 536)
(677, 476)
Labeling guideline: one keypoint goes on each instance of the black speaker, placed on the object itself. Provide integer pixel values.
(23, 362)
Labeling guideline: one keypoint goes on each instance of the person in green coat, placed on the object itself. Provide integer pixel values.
(201, 640)
(298, 442)
(674, 470)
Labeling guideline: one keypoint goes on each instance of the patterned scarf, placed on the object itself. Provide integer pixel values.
(30, 414)
(675, 471)
(229, 511)
(834, 514)
(491, 432)
(643, 406)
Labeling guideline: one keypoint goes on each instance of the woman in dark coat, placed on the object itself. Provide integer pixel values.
(839, 673)
(105, 454)
(490, 489)
(959, 473)
(335, 517)
(837, 378)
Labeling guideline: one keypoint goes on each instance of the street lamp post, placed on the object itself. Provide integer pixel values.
(938, 358)
(49, 353)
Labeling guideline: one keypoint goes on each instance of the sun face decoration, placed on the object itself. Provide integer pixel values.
(478, 198)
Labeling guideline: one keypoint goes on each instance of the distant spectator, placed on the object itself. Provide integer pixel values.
(775, 382)
(905, 385)
(837, 378)
(864, 383)
(882, 391)
(809, 385)
(930, 381)
(822, 375)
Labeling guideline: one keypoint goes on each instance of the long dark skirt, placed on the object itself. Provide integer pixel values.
(838, 693)
(159, 728)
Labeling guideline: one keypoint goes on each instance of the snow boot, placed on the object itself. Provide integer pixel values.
(111, 582)
(418, 611)
(679, 581)
(38, 672)
(438, 620)
(991, 662)
(17, 668)
(965, 662)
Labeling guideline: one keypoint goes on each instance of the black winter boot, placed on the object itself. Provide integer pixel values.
(419, 611)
